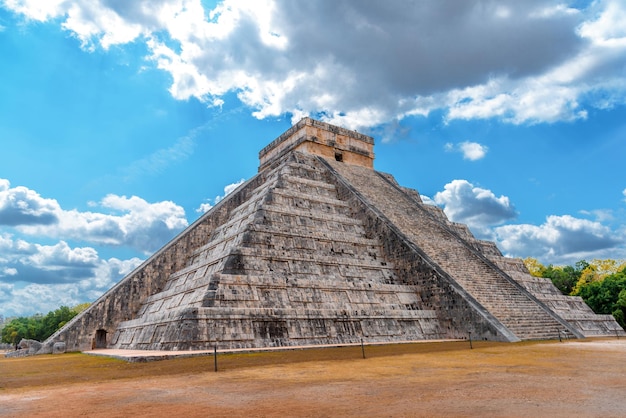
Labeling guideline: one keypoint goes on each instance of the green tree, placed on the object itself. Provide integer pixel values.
(39, 327)
(17, 329)
(81, 307)
(54, 320)
(564, 278)
(596, 271)
(534, 266)
(607, 296)
(620, 311)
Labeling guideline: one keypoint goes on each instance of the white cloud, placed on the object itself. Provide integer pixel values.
(373, 62)
(477, 207)
(471, 150)
(36, 9)
(57, 263)
(61, 255)
(624, 193)
(591, 75)
(20, 205)
(40, 278)
(37, 263)
(133, 222)
(600, 215)
(204, 207)
(229, 188)
(34, 297)
(608, 29)
(427, 200)
(561, 240)
(8, 271)
(20, 301)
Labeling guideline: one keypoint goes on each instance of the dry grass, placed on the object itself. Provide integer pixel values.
(73, 367)
(541, 379)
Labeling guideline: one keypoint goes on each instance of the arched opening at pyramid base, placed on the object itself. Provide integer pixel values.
(100, 339)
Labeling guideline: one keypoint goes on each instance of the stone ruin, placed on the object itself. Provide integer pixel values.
(319, 248)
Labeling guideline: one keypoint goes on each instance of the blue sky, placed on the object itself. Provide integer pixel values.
(121, 122)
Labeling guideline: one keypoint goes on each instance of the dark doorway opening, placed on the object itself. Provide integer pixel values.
(101, 339)
(338, 156)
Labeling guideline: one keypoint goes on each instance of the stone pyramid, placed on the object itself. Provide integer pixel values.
(319, 248)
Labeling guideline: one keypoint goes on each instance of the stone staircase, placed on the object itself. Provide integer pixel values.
(510, 303)
(571, 308)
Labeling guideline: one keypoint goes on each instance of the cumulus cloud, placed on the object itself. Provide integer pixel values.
(43, 277)
(131, 221)
(20, 301)
(19, 298)
(471, 150)
(477, 207)
(373, 62)
(229, 188)
(427, 200)
(36, 263)
(23, 261)
(22, 206)
(561, 239)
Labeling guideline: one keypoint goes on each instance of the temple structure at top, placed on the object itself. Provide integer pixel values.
(318, 138)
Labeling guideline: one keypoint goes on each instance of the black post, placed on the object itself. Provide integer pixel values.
(559, 332)
(215, 356)
(617, 333)
(362, 348)
(470, 340)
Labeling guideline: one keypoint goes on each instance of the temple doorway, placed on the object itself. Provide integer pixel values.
(101, 339)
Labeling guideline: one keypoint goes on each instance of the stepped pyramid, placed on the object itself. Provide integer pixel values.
(319, 248)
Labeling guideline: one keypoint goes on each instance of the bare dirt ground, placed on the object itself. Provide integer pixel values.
(586, 378)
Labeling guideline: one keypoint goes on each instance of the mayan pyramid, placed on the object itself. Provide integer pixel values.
(319, 248)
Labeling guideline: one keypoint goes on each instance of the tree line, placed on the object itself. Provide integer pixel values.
(38, 327)
(600, 283)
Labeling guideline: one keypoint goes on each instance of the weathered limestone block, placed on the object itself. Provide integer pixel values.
(58, 348)
(29, 346)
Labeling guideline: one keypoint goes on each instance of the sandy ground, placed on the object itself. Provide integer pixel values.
(550, 379)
